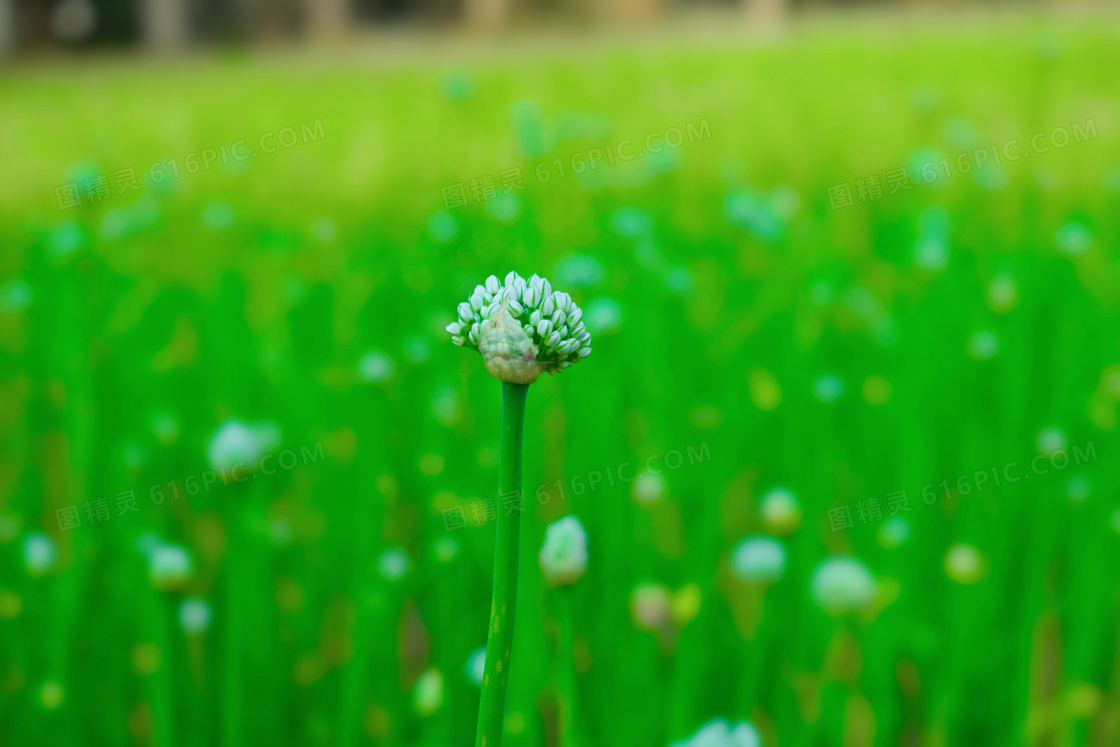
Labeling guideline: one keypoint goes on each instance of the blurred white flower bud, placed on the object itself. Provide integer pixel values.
(563, 556)
(780, 511)
(39, 553)
(241, 444)
(650, 606)
(169, 565)
(842, 584)
(720, 733)
(964, 563)
(759, 559)
(393, 564)
(428, 695)
(194, 615)
(476, 666)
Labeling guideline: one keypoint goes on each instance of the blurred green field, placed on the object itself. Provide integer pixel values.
(739, 321)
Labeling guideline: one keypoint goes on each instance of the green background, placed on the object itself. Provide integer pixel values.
(846, 354)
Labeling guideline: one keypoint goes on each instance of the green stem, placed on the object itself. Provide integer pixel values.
(237, 587)
(491, 708)
(566, 671)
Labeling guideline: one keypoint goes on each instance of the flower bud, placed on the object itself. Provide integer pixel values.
(169, 566)
(509, 353)
(842, 583)
(563, 556)
(650, 606)
(242, 445)
(758, 559)
(720, 733)
(194, 615)
(428, 694)
(522, 328)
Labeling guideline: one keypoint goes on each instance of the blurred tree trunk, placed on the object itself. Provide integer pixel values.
(767, 15)
(164, 23)
(637, 12)
(326, 18)
(7, 27)
(486, 14)
(272, 19)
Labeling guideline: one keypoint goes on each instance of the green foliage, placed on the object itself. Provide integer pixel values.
(747, 336)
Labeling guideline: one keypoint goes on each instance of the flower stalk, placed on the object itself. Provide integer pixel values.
(522, 328)
(563, 560)
(499, 640)
(566, 673)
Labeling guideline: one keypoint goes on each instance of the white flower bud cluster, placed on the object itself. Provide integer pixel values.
(551, 321)
(563, 556)
(721, 733)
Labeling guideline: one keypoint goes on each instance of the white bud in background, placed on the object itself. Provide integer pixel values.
(563, 556)
(241, 444)
(843, 584)
(720, 733)
(650, 606)
(780, 511)
(428, 694)
(40, 553)
(194, 615)
(964, 563)
(169, 566)
(759, 559)
(393, 564)
(476, 666)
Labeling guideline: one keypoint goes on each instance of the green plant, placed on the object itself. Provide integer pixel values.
(522, 328)
(563, 561)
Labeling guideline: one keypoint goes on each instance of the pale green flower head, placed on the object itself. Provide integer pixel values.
(39, 553)
(842, 583)
(476, 666)
(522, 328)
(240, 444)
(428, 695)
(759, 559)
(651, 606)
(169, 565)
(563, 555)
(194, 615)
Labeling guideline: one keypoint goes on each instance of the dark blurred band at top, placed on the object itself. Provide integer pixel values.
(160, 25)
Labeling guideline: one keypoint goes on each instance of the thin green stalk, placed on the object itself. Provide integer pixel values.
(491, 709)
(566, 672)
(237, 586)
